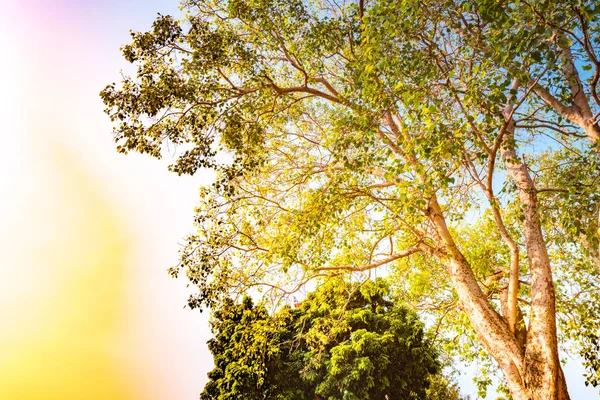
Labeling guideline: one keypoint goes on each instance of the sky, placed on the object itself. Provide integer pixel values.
(86, 236)
(87, 308)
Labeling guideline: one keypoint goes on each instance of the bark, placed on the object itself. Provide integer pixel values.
(491, 329)
(520, 331)
(579, 112)
(542, 372)
(583, 111)
(513, 277)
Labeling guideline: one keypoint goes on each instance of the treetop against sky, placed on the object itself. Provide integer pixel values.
(367, 134)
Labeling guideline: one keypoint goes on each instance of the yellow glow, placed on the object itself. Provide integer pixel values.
(62, 315)
(87, 310)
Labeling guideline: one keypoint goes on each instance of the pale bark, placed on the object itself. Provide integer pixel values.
(579, 112)
(513, 276)
(584, 116)
(520, 326)
(491, 329)
(542, 372)
(541, 353)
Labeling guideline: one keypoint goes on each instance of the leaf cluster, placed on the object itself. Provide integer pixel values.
(343, 341)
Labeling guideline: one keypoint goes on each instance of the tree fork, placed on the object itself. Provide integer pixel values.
(491, 329)
(542, 372)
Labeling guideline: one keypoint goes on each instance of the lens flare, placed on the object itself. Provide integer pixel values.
(62, 320)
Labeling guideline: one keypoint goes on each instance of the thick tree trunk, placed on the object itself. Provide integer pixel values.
(491, 329)
(532, 371)
(531, 375)
(541, 370)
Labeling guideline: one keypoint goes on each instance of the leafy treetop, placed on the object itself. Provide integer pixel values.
(454, 142)
(344, 341)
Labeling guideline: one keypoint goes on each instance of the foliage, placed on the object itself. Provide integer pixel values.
(441, 388)
(250, 353)
(344, 341)
(455, 143)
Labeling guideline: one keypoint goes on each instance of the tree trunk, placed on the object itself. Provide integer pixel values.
(541, 370)
(536, 373)
(491, 329)
(532, 369)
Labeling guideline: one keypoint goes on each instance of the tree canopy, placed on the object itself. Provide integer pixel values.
(454, 143)
(344, 341)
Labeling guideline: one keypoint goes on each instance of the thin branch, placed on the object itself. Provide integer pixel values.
(402, 254)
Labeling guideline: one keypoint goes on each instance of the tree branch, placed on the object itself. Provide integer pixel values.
(405, 253)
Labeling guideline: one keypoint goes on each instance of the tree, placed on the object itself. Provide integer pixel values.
(344, 341)
(441, 388)
(455, 142)
(249, 357)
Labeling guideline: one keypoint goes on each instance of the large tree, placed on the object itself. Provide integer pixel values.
(454, 141)
(344, 341)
